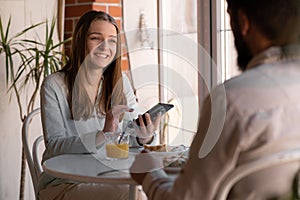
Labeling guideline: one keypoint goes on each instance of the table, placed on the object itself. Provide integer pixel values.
(92, 168)
(95, 168)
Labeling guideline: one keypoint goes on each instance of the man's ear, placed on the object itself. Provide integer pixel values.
(244, 23)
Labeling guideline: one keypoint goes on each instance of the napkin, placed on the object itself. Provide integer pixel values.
(176, 160)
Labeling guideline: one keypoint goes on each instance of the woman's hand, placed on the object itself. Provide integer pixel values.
(111, 122)
(112, 117)
(145, 132)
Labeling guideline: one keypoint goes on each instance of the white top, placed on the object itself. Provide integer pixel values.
(64, 135)
(262, 117)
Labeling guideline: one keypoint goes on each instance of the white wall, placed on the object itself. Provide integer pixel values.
(143, 59)
(23, 13)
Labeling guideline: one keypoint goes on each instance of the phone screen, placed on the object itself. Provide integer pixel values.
(161, 108)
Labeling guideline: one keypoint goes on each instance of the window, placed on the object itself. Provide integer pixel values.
(228, 53)
(193, 51)
(196, 53)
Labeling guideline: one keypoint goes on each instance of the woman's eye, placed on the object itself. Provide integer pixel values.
(95, 38)
(113, 41)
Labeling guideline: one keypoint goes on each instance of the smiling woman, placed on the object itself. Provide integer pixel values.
(88, 97)
(90, 39)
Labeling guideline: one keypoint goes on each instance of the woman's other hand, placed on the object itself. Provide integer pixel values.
(112, 117)
(111, 122)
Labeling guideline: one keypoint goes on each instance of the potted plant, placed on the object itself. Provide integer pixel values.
(27, 63)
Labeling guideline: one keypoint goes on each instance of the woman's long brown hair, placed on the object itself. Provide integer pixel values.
(112, 84)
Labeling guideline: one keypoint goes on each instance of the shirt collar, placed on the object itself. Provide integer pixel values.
(276, 54)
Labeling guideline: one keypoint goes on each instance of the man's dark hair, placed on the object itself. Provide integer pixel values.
(276, 19)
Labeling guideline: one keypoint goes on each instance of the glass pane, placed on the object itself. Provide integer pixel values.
(179, 72)
(229, 56)
(180, 16)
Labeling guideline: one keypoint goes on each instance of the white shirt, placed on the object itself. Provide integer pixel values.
(262, 117)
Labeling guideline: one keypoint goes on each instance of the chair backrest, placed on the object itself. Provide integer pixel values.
(36, 153)
(242, 171)
(32, 158)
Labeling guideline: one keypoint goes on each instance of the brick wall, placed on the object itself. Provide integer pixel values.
(75, 8)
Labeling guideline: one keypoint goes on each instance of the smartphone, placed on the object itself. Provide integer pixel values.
(161, 108)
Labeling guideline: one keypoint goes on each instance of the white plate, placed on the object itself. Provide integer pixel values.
(172, 151)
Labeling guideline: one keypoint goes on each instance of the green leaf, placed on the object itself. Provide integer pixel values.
(7, 28)
(36, 58)
(27, 29)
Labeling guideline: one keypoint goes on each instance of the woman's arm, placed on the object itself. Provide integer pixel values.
(60, 132)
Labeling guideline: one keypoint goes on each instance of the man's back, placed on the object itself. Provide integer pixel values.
(266, 102)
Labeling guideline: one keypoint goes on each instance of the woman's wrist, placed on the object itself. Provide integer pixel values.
(146, 140)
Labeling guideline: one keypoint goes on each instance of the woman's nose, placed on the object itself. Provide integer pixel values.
(103, 45)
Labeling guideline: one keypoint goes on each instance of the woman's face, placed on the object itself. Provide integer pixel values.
(101, 43)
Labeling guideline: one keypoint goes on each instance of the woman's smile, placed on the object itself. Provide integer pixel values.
(102, 55)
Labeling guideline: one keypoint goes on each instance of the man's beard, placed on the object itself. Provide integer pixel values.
(243, 52)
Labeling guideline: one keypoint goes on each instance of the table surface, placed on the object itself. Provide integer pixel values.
(90, 168)
(93, 168)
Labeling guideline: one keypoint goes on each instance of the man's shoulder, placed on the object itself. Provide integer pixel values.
(256, 88)
(243, 79)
